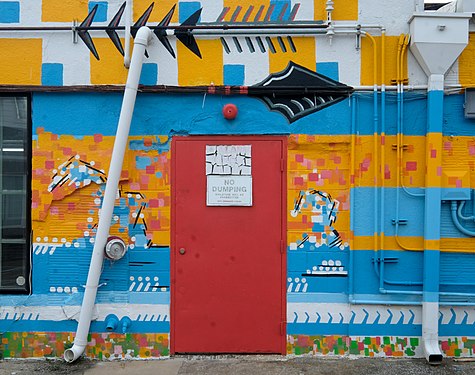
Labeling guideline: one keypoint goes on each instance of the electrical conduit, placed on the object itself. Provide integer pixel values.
(141, 42)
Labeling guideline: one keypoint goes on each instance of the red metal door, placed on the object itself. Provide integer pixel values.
(228, 262)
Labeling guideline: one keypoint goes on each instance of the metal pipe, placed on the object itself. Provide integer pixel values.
(375, 146)
(352, 199)
(383, 155)
(141, 42)
(460, 215)
(453, 210)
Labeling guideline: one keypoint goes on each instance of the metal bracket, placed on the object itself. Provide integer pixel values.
(399, 221)
(75, 31)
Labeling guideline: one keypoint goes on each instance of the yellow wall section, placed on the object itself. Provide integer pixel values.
(110, 68)
(64, 10)
(343, 10)
(20, 60)
(160, 10)
(193, 71)
(367, 65)
(304, 56)
(467, 63)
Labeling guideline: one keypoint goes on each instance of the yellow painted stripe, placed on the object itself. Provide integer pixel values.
(193, 71)
(304, 56)
(452, 164)
(343, 10)
(160, 9)
(454, 245)
(110, 68)
(467, 63)
(20, 60)
(63, 11)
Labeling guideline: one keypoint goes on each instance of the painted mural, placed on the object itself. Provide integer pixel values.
(362, 168)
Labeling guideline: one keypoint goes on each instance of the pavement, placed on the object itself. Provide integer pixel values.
(240, 365)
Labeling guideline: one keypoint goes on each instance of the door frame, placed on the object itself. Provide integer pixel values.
(173, 251)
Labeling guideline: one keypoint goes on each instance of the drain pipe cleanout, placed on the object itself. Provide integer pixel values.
(141, 42)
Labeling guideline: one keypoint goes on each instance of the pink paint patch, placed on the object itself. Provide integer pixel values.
(97, 138)
(150, 169)
(326, 174)
(433, 154)
(411, 166)
(471, 150)
(337, 160)
(298, 181)
(458, 183)
(54, 210)
(154, 224)
(153, 203)
(447, 145)
(67, 151)
(71, 206)
(134, 186)
(439, 171)
(161, 203)
(49, 164)
(313, 177)
(144, 179)
(299, 158)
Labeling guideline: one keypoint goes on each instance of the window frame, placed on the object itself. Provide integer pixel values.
(27, 249)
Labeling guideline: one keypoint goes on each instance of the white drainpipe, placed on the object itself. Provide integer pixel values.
(141, 42)
(128, 20)
(437, 40)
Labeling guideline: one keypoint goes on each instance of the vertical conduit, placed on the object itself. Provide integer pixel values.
(80, 341)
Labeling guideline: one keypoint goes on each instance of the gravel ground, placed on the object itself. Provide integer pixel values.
(240, 365)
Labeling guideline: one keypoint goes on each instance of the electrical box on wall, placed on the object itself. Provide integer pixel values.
(470, 103)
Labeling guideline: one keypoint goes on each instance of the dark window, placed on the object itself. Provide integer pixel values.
(15, 166)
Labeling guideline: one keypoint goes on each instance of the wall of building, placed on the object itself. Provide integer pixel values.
(346, 187)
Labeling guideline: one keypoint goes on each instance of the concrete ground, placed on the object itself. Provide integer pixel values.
(239, 365)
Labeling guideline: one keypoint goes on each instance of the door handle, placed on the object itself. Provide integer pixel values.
(182, 251)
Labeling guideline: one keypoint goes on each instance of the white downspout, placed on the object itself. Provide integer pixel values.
(128, 20)
(141, 42)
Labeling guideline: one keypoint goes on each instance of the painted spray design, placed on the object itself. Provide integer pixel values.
(324, 243)
(76, 187)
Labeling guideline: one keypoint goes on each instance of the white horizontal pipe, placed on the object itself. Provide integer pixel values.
(141, 42)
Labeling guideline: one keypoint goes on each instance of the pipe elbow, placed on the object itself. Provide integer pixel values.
(111, 323)
(73, 353)
(143, 36)
(125, 323)
(432, 352)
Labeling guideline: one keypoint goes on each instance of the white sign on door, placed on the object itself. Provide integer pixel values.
(229, 177)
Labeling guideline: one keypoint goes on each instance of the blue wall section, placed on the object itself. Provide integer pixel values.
(52, 74)
(9, 11)
(101, 13)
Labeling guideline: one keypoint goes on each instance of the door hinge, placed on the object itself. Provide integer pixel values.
(282, 328)
(282, 246)
(282, 165)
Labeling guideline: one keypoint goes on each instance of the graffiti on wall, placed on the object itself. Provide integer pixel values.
(318, 242)
(68, 188)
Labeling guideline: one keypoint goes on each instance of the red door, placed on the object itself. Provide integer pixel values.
(228, 258)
